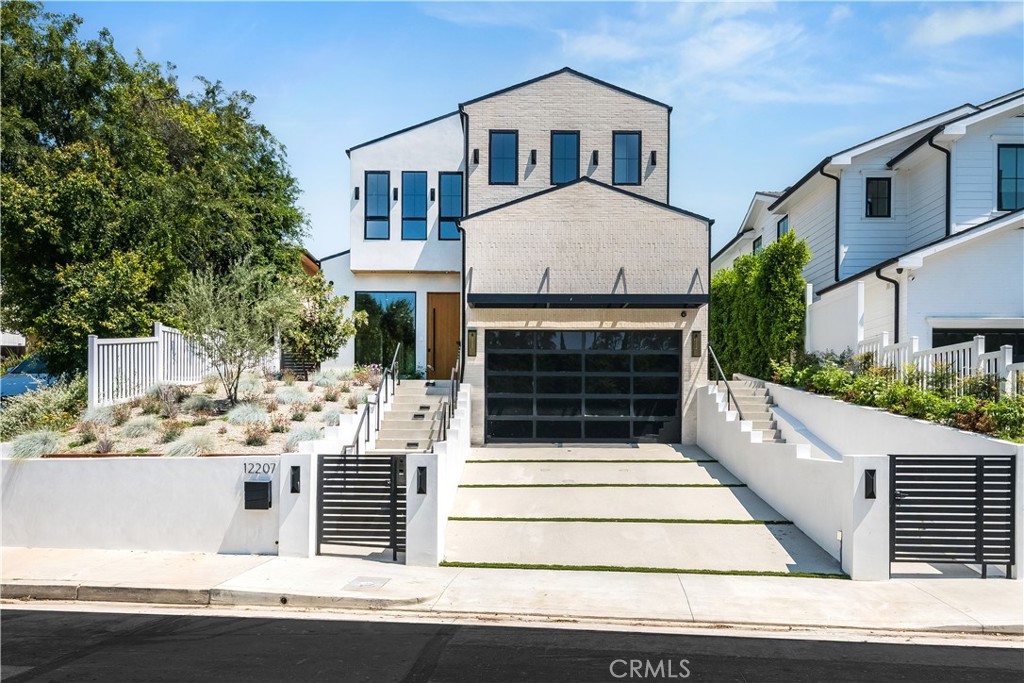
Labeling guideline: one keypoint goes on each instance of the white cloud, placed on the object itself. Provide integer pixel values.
(946, 26)
(839, 14)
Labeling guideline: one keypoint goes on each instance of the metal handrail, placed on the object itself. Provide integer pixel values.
(728, 390)
(353, 448)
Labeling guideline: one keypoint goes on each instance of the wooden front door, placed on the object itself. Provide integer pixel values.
(443, 327)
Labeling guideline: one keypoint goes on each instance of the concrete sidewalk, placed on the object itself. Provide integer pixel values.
(944, 603)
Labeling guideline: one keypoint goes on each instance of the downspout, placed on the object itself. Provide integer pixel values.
(949, 166)
(821, 170)
(896, 304)
(462, 309)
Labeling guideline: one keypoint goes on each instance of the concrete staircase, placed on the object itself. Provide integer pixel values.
(413, 421)
(755, 404)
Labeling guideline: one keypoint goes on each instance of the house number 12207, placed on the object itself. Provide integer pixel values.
(259, 467)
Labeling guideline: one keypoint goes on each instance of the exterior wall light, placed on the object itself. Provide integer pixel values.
(431, 194)
(696, 348)
(533, 157)
(593, 158)
(654, 158)
(356, 195)
(394, 194)
(476, 156)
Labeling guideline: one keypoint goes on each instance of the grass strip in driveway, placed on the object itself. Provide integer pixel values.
(644, 570)
(630, 520)
(639, 486)
(681, 461)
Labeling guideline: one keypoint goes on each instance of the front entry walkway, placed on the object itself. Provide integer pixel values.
(639, 507)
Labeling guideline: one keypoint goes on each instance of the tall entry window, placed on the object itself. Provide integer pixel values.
(414, 205)
(390, 320)
(565, 156)
(504, 167)
(1011, 177)
(626, 158)
(378, 222)
(451, 205)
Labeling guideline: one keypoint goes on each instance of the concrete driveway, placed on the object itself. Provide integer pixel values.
(647, 506)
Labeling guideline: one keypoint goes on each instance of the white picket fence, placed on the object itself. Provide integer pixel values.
(961, 360)
(122, 369)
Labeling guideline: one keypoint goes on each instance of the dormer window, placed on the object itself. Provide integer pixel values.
(782, 227)
(626, 157)
(758, 242)
(565, 156)
(378, 206)
(503, 157)
(878, 200)
(1011, 177)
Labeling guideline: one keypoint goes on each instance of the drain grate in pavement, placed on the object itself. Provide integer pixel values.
(366, 583)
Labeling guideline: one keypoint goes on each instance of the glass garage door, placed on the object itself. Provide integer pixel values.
(582, 386)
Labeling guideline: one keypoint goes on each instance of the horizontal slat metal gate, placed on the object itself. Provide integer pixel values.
(953, 509)
(362, 501)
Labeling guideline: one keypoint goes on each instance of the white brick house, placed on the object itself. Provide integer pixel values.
(916, 233)
(530, 232)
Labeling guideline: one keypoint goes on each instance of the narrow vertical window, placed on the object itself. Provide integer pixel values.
(626, 158)
(1011, 178)
(565, 156)
(757, 245)
(503, 157)
(878, 203)
(414, 205)
(782, 227)
(450, 205)
(378, 206)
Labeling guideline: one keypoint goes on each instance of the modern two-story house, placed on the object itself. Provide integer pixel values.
(530, 233)
(916, 233)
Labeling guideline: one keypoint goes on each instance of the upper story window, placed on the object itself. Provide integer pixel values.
(758, 242)
(1011, 177)
(414, 205)
(503, 157)
(565, 156)
(378, 206)
(626, 157)
(782, 227)
(451, 205)
(878, 203)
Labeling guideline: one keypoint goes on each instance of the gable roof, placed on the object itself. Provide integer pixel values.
(598, 183)
(567, 70)
(348, 152)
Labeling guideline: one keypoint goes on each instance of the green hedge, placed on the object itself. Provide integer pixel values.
(757, 307)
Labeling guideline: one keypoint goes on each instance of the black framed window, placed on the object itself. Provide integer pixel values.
(758, 242)
(626, 157)
(390, 320)
(1011, 177)
(414, 205)
(503, 157)
(878, 201)
(450, 185)
(782, 227)
(377, 225)
(565, 156)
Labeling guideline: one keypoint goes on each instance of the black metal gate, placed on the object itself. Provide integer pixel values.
(953, 509)
(362, 501)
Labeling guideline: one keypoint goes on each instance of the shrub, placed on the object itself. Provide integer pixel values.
(316, 405)
(345, 386)
(291, 394)
(352, 402)
(983, 386)
(167, 397)
(361, 374)
(374, 381)
(223, 429)
(150, 406)
(210, 383)
(269, 387)
(171, 430)
(272, 406)
(332, 418)
(298, 412)
(332, 394)
(121, 413)
(831, 379)
(256, 434)
(35, 444)
(86, 433)
(54, 407)
(140, 426)
(192, 446)
(200, 421)
(1007, 415)
(279, 424)
(248, 413)
(304, 433)
(324, 378)
(105, 444)
(288, 377)
(250, 388)
(198, 404)
(100, 415)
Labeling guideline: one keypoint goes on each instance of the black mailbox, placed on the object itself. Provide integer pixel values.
(258, 494)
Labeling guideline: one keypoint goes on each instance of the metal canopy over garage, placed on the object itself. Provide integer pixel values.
(603, 386)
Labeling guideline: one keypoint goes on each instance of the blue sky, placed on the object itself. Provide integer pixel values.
(761, 92)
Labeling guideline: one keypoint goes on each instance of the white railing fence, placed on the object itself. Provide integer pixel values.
(122, 369)
(960, 361)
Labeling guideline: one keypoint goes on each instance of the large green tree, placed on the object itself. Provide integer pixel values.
(109, 168)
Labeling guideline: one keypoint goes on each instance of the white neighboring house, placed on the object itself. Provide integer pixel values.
(917, 233)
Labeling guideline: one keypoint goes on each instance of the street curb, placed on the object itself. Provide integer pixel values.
(236, 598)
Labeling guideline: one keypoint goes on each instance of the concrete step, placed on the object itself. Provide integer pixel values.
(771, 435)
(394, 446)
(398, 414)
(405, 435)
(764, 424)
(426, 423)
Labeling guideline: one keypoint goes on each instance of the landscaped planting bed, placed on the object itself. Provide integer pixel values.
(272, 415)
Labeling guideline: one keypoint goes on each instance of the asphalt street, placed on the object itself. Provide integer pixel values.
(112, 647)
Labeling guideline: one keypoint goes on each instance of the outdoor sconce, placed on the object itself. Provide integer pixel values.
(695, 344)
(394, 194)
(295, 479)
(593, 158)
(471, 343)
(431, 194)
(533, 157)
(654, 158)
(421, 480)
(357, 194)
(869, 484)
(476, 156)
